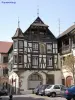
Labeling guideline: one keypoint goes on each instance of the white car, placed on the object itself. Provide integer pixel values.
(54, 90)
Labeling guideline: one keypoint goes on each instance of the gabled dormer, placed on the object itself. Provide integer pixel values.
(38, 30)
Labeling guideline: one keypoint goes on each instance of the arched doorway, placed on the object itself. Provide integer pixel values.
(34, 80)
(68, 80)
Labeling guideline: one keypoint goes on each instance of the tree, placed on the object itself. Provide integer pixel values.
(69, 63)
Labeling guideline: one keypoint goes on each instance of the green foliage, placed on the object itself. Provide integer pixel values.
(69, 63)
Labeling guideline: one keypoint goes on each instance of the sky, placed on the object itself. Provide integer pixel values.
(50, 11)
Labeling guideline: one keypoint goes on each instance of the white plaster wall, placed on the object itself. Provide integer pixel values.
(57, 76)
(66, 73)
(14, 76)
(26, 74)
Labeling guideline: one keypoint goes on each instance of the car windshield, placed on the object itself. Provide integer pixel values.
(49, 86)
(72, 86)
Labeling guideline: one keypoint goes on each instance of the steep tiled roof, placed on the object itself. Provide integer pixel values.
(18, 33)
(5, 46)
(39, 22)
(67, 31)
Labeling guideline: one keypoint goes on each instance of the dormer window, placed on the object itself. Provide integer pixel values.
(20, 44)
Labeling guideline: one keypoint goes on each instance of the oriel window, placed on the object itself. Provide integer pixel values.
(20, 59)
(15, 44)
(15, 58)
(20, 44)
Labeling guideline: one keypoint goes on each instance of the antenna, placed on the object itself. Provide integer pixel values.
(59, 24)
(18, 23)
(37, 10)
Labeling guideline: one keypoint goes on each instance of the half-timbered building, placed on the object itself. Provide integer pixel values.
(66, 47)
(34, 58)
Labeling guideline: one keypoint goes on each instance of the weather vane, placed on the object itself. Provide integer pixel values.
(18, 23)
(37, 10)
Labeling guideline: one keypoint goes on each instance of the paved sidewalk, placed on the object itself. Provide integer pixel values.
(37, 96)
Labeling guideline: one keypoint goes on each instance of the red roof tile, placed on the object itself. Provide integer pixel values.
(5, 46)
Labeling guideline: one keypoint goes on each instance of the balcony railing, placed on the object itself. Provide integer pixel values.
(65, 49)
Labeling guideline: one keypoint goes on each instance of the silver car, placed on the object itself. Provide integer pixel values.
(55, 90)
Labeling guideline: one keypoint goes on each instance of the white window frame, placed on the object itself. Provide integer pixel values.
(20, 43)
(34, 60)
(49, 48)
(49, 61)
(15, 44)
(35, 46)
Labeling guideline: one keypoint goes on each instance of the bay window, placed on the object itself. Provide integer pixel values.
(20, 44)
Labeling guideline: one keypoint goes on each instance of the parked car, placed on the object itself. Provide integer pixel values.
(55, 90)
(36, 90)
(69, 94)
(3, 92)
(42, 89)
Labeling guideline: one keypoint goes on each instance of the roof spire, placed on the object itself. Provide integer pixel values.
(37, 10)
(59, 25)
(18, 23)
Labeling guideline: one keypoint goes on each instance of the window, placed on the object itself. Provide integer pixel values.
(54, 45)
(5, 59)
(35, 46)
(15, 44)
(63, 87)
(49, 48)
(49, 60)
(55, 59)
(34, 60)
(42, 48)
(20, 44)
(20, 59)
(56, 87)
(55, 50)
(35, 77)
(15, 58)
(5, 71)
(74, 39)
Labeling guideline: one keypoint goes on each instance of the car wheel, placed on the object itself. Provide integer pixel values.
(53, 94)
(73, 98)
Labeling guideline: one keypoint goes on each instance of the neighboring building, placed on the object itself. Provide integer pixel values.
(66, 46)
(4, 48)
(33, 59)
